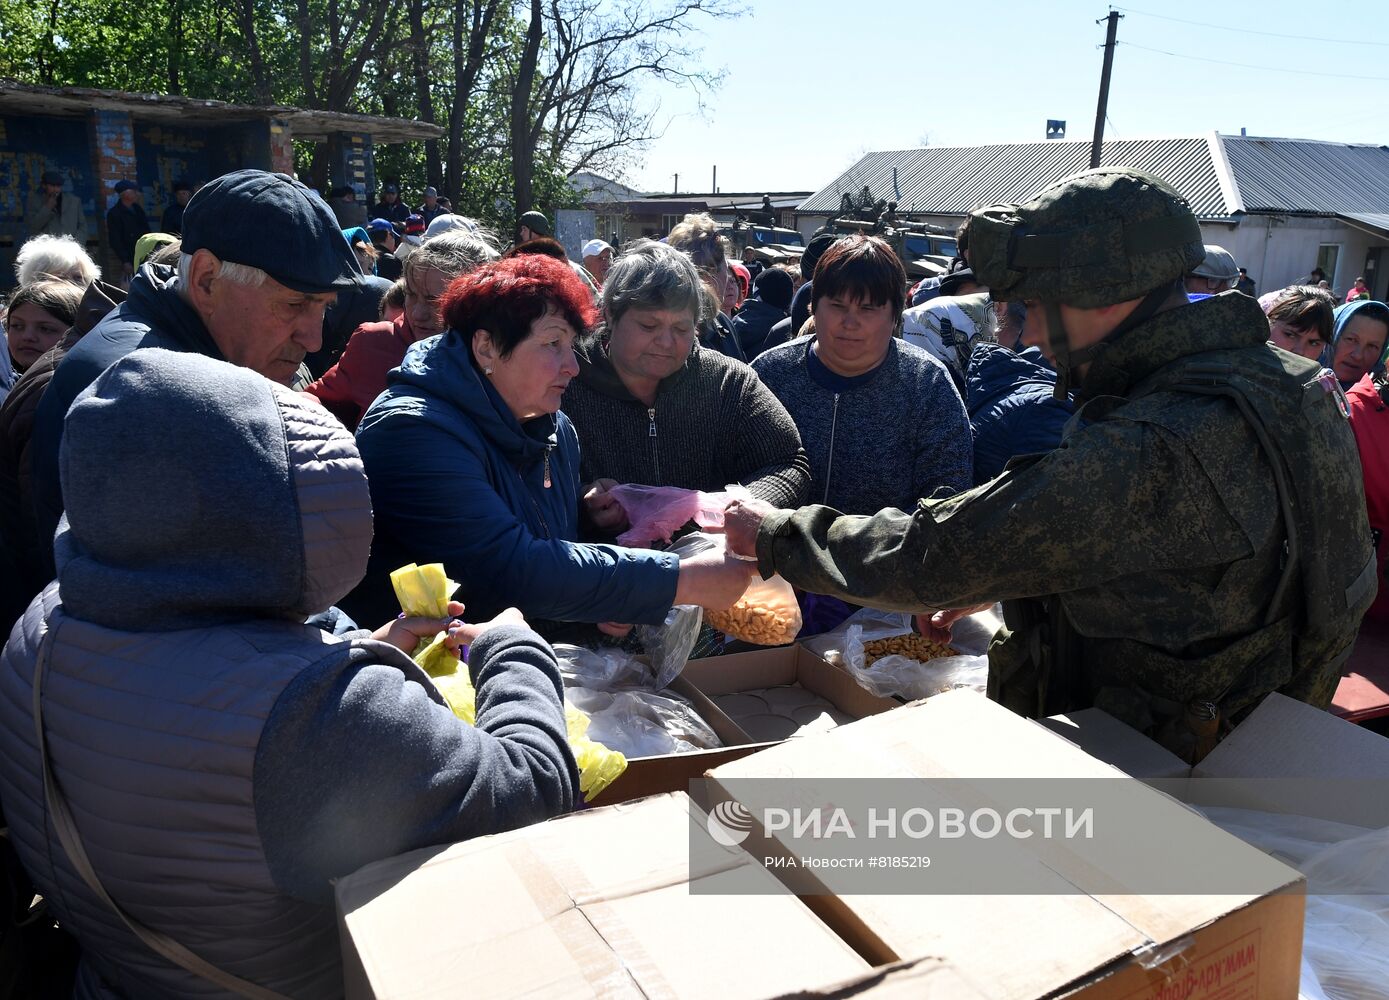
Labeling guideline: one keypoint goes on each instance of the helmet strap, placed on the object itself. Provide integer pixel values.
(1067, 359)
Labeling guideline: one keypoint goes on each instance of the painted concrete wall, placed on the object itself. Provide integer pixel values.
(1278, 250)
(29, 145)
(105, 146)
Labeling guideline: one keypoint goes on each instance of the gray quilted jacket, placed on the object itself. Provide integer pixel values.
(223, 760)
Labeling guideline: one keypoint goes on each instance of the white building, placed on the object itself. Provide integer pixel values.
(1281, 206)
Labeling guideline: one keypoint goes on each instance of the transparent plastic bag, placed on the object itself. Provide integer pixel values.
(1345, 941)
(668, 645)
(642, 723)
(767, 614)
(604, 669)
(894, 675)
(656, 513)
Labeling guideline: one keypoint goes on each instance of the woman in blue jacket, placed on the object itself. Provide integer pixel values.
(471, 464)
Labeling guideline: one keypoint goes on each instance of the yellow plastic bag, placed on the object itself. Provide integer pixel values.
(424, 591)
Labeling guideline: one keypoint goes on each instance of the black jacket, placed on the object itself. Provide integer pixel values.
(713, 423)
(125, 224)
(752, 324)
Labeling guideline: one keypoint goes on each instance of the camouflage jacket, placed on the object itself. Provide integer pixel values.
(1155, 533)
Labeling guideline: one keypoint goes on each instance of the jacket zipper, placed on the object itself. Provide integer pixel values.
(829, 466)
(525, 488)
(655, 447)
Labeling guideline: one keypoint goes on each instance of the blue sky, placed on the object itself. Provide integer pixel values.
(810, 85)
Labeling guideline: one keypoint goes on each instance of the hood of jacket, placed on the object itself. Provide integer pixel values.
(1221, 322)
(996, 373)
(596, 371)
(1341, 317)
(441, 368)
(199, 493)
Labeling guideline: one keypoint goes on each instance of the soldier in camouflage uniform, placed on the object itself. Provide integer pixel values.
(1198, 540)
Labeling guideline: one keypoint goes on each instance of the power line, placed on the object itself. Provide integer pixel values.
(1264, 69)
(1251, 31)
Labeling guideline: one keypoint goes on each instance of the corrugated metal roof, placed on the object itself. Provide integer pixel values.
(1301, 175)
(1219, 174)
(953, 180)
(1377, 223)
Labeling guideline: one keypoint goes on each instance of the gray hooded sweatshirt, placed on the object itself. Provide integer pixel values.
(225, 761)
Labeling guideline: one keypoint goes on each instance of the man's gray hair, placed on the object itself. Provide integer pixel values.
(60, 257)
(237, 274)
(651, 275)
(453, 252)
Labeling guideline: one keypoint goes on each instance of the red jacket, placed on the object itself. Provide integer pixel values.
(1369, 418)
(353, 384)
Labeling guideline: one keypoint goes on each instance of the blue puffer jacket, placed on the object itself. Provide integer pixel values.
(456, 479)
(1011, 409)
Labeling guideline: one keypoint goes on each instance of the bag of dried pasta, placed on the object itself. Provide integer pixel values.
(425, 591)
(766, 615)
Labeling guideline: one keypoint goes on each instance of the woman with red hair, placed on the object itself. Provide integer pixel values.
(472, 464)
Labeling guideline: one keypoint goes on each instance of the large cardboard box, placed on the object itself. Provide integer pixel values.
(597, 903)
(717, 675)
(1286, 757)
(1119, 945)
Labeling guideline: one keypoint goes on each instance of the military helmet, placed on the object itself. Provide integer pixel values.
(1218, 264)
(1092, 239)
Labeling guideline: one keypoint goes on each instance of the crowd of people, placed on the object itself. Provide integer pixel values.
(209, 471)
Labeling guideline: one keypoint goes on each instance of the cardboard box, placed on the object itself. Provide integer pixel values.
(1285, 757)
(717, 675)
(597, 903)
(1118, 946)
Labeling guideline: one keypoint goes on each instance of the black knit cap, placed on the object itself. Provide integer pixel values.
(773, 286)
(274, 223)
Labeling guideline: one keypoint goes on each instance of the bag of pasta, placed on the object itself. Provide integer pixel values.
(425, 591)
(766, 615)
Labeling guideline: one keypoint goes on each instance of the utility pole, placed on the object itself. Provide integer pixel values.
(715, 182)
(1098, 143)
(677, 185)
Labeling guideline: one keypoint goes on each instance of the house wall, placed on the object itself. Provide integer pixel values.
(1279, 249)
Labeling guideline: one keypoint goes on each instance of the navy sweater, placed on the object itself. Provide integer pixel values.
(883, 439)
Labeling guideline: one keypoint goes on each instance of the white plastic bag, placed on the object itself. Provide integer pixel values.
(642, 723)
(1345, 942)
(900, 676)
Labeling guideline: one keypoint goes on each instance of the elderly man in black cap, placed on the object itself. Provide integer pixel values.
(172, 222)
(126, 222)
(53, 212)
(234, 296)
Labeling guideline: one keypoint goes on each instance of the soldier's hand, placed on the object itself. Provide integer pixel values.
(938, 625)
(741, 519)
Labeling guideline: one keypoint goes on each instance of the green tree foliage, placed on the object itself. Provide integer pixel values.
(517, 119)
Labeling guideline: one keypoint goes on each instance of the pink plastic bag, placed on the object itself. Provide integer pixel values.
(656, 513)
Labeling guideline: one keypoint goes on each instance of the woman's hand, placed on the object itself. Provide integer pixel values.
(741, 519)
(465, 634)
(713, 580)
(603, 509)
(406, 633)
